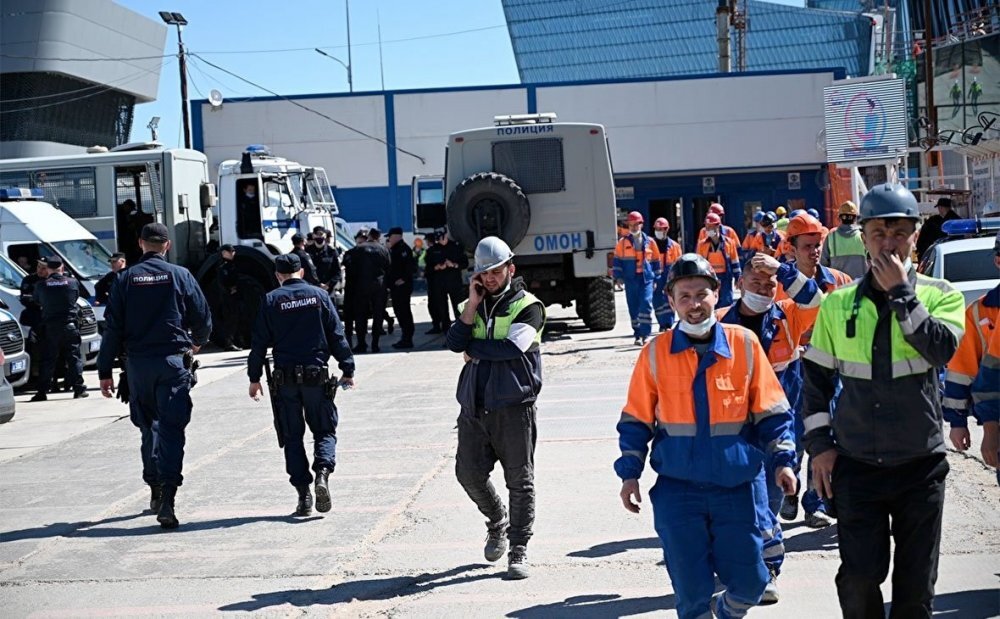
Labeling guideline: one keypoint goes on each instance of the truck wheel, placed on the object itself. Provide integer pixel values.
(488, 204)
(597, 305)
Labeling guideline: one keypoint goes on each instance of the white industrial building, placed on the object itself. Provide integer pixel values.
(750, 140)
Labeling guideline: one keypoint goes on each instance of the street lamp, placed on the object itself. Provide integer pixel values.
(176, 19)
(350, 80)
(153, 124)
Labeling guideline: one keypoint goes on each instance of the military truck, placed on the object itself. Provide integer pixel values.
(547, 189)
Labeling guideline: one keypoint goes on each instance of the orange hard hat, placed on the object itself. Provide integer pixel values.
(712, 219)
(661, 222)
(716, 208)
(804, 224)
(635, 217)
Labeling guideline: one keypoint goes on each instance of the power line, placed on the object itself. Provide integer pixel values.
(103, 90)
(313, 111)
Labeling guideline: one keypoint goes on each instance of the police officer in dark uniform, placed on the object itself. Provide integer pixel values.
(31, 316)
(299, 322)
(102, 289)
(325, 259)
(229, 306)
(446, 260)
(57, 294)
(369, 263)
(351, 260)
(158, 317)
(400, 284)
(308, 268)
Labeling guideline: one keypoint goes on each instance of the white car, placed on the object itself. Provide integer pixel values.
(965, 262)
(17, 363)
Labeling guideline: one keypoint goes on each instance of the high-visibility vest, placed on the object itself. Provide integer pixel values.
(498, 326)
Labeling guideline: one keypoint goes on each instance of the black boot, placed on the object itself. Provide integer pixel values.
(80, 392)
(165, 515)
(322, 491)
(305, 504)
(155, 498)
(39, 397)
(375, 348)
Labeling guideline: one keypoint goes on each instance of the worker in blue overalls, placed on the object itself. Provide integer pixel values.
(637, 265)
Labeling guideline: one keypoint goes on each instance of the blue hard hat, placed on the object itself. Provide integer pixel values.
(758, 216)
(813, 212)
(796, 213)
(769, 219)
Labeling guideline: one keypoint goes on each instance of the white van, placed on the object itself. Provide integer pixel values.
(30, 229)
(10, 297)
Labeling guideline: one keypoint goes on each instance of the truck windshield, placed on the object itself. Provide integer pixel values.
(87, 257)
(10, 274)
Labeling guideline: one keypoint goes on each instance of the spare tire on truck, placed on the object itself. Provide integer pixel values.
(596, 304)
(488, 204)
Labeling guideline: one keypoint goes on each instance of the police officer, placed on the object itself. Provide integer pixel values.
(499, 332)
(31, 316)
(158, 317)
(229, 308)
(400, 283)
(308, 268)
(447, 260)
(352, 286)
(57, 295)
(367, 265)
(299, 322)
(102, 289)
(880, 453)
(325, 259)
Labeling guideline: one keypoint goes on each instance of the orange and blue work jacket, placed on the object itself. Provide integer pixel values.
(669, 254)
(828, 280)
(637, 262)
(725, 230)
(722, 253)
(758, 241)
(712, 418)
(982, 320)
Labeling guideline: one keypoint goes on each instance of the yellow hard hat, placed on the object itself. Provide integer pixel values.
(848, 208)
(780, 210)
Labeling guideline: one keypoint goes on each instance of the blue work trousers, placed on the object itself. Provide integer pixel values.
(725, 289)
(303, 405)
(767, 513)
(639, 296)
(707, 530)
(661, 305)
(160, 405)
(147, 450)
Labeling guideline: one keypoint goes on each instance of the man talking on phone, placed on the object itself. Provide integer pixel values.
(498, 333)
(881, 455)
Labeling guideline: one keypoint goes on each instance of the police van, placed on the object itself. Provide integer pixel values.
(547, 189)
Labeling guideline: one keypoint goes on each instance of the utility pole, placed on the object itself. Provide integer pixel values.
(722, 35)
(350, 75)
(176, 19)
(929, 70)
(381, 71)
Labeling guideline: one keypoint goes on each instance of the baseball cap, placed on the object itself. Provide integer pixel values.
(298, 238)
(53, 262)
(395, 230)
(155, 232)
(227, 247)
(287, 264)
(116, 256)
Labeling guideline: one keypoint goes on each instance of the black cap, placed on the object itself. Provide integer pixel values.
(155, 233)
(227, 247)
(298, 238)
(361, 232)
(287, 264)
(53, 262)
(944, 202)
(442, 231)
(319, 229)
(395, 230)
(116, 256)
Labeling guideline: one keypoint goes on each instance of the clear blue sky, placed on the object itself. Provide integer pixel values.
(451, 43)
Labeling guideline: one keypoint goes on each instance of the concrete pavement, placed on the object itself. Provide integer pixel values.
(402, 539)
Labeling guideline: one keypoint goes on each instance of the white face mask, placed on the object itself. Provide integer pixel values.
(756, 303)
(699, 329)
(712, 233)
(907, 264)
(661, 234)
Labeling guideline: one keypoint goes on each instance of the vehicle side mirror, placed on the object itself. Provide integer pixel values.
(207, 197)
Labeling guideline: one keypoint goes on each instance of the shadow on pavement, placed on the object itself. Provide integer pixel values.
(88, 529)
(614, 548)
(813, 539)
(597, 605)
(363, 590)
(977, 604)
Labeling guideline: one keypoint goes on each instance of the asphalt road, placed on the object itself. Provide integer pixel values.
(402, 539)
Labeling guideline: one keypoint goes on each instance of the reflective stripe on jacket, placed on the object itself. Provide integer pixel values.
(711, 420)
(723, 255)
(981, 321)
(637, 263)
(985, 389)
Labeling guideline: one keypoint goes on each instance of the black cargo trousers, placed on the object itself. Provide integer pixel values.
(507, 435)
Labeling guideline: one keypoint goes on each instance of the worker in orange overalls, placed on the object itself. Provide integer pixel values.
(968, 373)
(766, 240)
(704, 393)
(722, 252)
(717, 209)
(670, 251)
(637, 265)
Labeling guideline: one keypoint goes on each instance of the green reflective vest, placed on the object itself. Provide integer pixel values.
(497, 326)
(831, 347)
(839, 246)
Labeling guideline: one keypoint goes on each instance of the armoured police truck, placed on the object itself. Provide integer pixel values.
(546, 188)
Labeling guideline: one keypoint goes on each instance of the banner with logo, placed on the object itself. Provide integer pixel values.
(865, 120)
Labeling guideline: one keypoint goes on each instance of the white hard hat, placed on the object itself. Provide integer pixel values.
(491, 252)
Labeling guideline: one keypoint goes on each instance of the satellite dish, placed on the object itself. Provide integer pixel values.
(215, 98)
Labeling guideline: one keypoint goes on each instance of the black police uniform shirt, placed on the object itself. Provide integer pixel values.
(366, 265)
(308, 268)
(229, 275)
(439, 254)
(156, 309)
(298, 320)
(404, 264)
(102, 289)
(327, 264)
(32, 312)
(57, 294)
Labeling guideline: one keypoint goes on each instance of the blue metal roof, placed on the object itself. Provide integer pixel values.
(567, 40)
